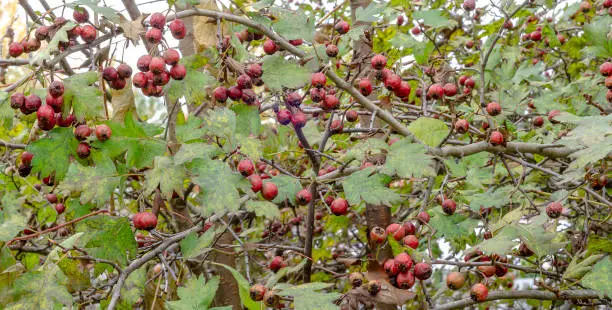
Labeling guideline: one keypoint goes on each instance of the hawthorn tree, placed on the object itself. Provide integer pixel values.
(310, 155)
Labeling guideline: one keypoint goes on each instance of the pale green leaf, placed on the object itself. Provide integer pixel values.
(408, 160)
(168, 175)
(600, 278)
(370, 187)
(193, 245)
(279, 72)
(430, 131)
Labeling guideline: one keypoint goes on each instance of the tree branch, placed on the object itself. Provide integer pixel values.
(12, 145)
(529, 294)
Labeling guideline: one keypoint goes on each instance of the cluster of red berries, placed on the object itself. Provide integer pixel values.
(400, 271)
(48, 115)
(606, 70)
(155, 72)
(87, 33)
(83, 132)
(116, 77)
(268, 190)
(269, 297)
(243, 90)
(59, 207)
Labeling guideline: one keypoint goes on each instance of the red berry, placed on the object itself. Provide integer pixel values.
(538, 121)
(256, 182)
(393, 82)
(455, 280)
(585, 6)
(462, 79)
(296, 42)
(276, 263)
(415, 30)
(88, 33)
(318, 80)
(60, 208)
(269, 191)
(462, 126)
(536, 35)
(234, 93)
(110, 74)
(257, 292)
(404, 261)
(608, 82)
(450, 89)
(330, 102)
(82, 132)
(331, 50)
(140, 80)
(449, 206)
(493, 108)
(606, 69)
(293, 99)
(246, 167)
(436, 91)
(46, 117)
(17, 100)
(220, 94)
(403, 91)
(391, 268)
(254, 70)
(396, 230)
(339, 206)
(365, 86)
(554, 209)
(423, 217)
(378, 235)
(469, 5)
(52, 198)
(487, 235)
(144, 62)
(103, 132)
(178, 72)
(411, 241)
(124, 71)
(303, 197)
(118, 83)
(405, 280)
(244, 82)
(400, 20)
(342, 27)
(298, 119)
(64, 122)
(41, 33)
(80, 14)
(469, 83)
(284, 117)
(479, 292)
(153, 36)
(171, 57)
(336, 126)
(351, 116)
(379, 62)
(497, 138)
(15, 49)
(270, 47)
(157, 65)
(83, 150)
(157, 20)
(422, 271)
(177, 28)
(26, 158)
(145, 220)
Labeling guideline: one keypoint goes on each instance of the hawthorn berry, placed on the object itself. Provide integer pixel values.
(449, 206)
(469, 5)
(110, 74)
(538, 121)
(153, 36)
(88, 33)
(64, 122)
(171, 57)
(318, 80)
(455, 280)
(46, 117)
(403, 261)
(378, 62)
(257, 292)
(479, 292)
(450, 89)
(157, 20)
(351, 116)
(234, 93)
(270, 47)
(469, 83)
(462, 126)
(145, 220)
(356, 279)
(405, 280)
(60, 208)
(293, 99)
(330, 102)
(493, 108)
(423, 217)
(496, 138)
(396, 230)
(178, 72)
(606, 68)
(435, 91)
(124, 71)
(339, 206)
(177, 28)
(80, 15)
(246, 167)
(422, 271)
(283, 117)
(393, 82)
(303, 197)
(103, 132)
(256, 182)
(144, 62)
(342, 27)
(415, 30)
(403, 91)
(378, 235)
(391, 268)
(83, 150)
(15, 49)
(269, 191)
(554, 209)
(411, 241)
(26, 158)
(17, 100)
(277, 262)
(41, 33)
(365, 86)
(298, 119)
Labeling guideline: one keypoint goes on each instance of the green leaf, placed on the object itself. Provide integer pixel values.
(243, 288)
(218, 184)
(241, 54)
(600, 278)
(263, 208)
(61, 35)
(596, 34)
(95, 183)
(106, 11)
(540, 240)
(6, 113)
(433, 18)
(430, 131)
(283, 272)
(44, 288)
(83, 96)
(52, 153)
(492, 198)
(592, 133)
(287, 188)
(11, 221)
(307, 297)
(108, 237)
(193, 245)
(134, 141)
(451, 226)
(167, 175)
(195, 294)
(501, 242)
(248, 121)
(190, 131)
(370, 187)
(191, 151)
(576, 270)
(366, 147)
(279, 72)
(193, 85)
(368, 13)
(408, 160)
(294, 25)
(220, 123)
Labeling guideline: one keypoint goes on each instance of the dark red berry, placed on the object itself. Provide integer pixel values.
(145, 220)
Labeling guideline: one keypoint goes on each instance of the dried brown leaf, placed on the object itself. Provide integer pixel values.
(133, 29)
